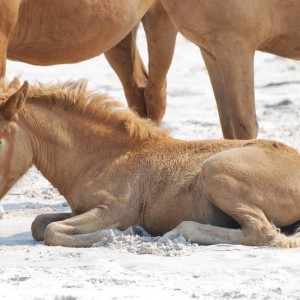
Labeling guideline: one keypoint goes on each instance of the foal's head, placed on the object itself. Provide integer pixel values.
(15, 158)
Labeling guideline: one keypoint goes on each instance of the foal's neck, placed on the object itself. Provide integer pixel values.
(66, 146)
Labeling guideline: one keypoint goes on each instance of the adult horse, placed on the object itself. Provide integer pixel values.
(130, 172)
(52, 32)
(228, 33)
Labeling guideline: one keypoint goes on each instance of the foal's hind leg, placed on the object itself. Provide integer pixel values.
(40, 223)
(82, 230)
(204, 234)
(253, 185)
(125, 59)
(256, 231)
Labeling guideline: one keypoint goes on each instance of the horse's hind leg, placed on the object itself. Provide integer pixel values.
(257, 232)
(40, 223)
(82, 230)
(235, 57)
(204, 234)
(240, 182)
(220, 93)
(125, 59)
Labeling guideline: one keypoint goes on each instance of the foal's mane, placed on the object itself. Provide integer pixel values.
(74, 97)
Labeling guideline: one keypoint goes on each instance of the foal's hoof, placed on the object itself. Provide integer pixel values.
(136, 230)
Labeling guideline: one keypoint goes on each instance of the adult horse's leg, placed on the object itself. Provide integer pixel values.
(125, 59)
(40, 223)
(8, 18)
(235, 58)
(82, 230)
(3, 49)
(161, 38)
(220, 93)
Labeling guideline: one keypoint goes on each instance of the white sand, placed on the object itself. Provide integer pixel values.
(117, 268)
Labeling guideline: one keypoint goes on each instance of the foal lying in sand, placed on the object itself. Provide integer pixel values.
(117, 170)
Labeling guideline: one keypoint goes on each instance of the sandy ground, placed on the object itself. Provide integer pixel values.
(135, 268)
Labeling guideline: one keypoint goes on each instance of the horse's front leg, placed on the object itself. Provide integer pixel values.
(125, 60)
(40, 223)
(82, 230)
(161, 38)
(235, 58)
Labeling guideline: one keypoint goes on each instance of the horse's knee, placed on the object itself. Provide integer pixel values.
(51, 234)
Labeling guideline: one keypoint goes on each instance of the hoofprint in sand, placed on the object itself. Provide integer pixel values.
(143, 268)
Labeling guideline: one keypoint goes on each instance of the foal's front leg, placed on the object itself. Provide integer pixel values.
(82, 230)
(40, 223)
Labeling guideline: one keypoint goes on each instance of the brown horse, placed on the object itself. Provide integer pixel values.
(228, 34)
(52, 32)
(117, 170)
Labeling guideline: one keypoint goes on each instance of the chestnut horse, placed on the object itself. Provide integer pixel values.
(52, 32)
(117, 170)
(228, 34)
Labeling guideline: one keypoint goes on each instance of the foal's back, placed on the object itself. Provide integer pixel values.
(207, 181)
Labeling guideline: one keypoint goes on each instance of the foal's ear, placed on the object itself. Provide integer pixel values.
(10, 108)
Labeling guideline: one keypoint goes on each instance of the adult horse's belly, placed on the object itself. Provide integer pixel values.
(68, 31)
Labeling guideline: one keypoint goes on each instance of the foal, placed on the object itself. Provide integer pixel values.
(117, 170)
